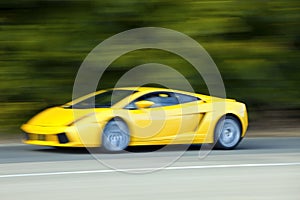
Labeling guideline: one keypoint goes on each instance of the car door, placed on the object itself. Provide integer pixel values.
(171, 116)
(158, 123)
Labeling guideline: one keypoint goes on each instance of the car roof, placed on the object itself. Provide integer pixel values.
(138, 88)
(148, 89)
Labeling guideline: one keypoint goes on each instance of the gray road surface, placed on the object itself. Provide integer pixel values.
(260, 168)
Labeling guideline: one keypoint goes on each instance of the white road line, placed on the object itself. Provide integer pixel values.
(149, 169)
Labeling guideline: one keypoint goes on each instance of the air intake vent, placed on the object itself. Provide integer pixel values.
(62, 138)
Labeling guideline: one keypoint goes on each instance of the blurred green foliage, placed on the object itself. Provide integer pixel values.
(255, 44)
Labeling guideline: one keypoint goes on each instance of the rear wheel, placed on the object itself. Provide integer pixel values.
(227, 133)
(115, 136)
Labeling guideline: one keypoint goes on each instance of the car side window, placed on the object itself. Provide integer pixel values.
(183, 98)
(158, 98)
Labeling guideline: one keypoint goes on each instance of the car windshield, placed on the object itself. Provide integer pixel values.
(103, 100)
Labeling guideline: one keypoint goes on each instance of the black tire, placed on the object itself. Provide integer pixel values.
(227, 133)
(115, 136)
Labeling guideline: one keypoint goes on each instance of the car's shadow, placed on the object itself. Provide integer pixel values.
(132, 149)
(61, 150)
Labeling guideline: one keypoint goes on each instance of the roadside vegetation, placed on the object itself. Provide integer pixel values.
(255, 44)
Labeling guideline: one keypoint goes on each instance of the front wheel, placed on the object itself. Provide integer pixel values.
(227, 133)
(115, 136)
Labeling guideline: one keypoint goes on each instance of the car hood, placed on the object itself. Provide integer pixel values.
(59, 116)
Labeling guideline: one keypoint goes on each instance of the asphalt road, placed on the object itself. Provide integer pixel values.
(260, 168)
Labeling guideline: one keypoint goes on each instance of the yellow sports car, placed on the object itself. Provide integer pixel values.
(114, 119)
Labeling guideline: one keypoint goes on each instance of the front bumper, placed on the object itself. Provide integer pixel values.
(59, 136)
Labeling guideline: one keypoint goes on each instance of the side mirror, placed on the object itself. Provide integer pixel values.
(144, 104)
